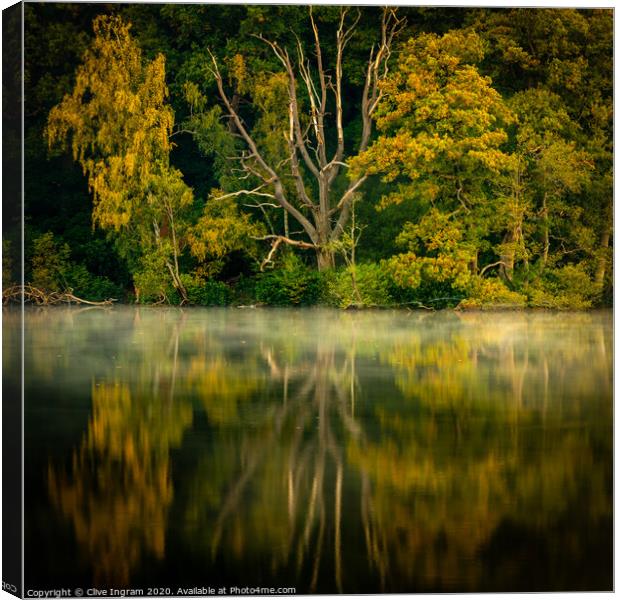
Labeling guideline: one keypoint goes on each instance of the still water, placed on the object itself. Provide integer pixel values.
(322, 450)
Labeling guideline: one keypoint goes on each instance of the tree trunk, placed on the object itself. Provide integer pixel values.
(545, 216)
(173, 269)
(177, 283)
(325, 259)
(473, 264)
(507, 257)
(601, 267)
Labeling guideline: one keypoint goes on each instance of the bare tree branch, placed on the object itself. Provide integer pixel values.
(273, 176)
(495, 264)
(342, 38)
(277, 240)
(284, 58)
(254, 192)
(345, 206)
(325, 221)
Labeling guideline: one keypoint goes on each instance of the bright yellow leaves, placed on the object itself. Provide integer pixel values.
(442, 141)
(116, 122)
(238, 71)
(119, 489)
(439, 116)
(220, 230)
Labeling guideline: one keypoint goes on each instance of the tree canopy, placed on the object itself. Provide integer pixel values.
(418, 156)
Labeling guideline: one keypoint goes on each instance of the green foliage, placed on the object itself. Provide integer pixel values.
(294, 284)
(7, 264)
(494, 155)
(491, 293)
(91, 287)
(567, 287)
(151, 282)
(206, 292)
(220, 230)
(52, 270)
(50, 263)
(415, 285)
(211, 135)
(437, 266)
(441, 123)
(118, 124)
(372, 286)
(243, 291)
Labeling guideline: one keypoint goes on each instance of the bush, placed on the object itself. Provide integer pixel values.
(491, 293)
(568, 287)
(91, 287)
(206, 292)
(435, 282)
(244, 291)
(152, 282)
(54, 272)
(292, 285)
(7, 264)
(373, 284)
(430, 293)
(50, 263)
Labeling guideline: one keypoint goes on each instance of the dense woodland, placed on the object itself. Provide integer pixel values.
(295, 155)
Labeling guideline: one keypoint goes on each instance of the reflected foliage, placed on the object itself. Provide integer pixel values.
(383, 451)
(118, 490)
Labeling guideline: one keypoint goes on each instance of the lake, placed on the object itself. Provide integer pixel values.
(318, 449)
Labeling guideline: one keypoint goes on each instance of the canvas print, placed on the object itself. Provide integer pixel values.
(306, 299)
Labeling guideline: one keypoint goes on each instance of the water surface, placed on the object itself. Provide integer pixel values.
(323, 450)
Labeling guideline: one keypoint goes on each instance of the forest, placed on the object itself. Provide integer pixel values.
(422, 157)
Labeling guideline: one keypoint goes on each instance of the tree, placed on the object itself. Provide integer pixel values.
(548, 165)
(312, 199)
(118, 125)
(566, 54)
(442, 131)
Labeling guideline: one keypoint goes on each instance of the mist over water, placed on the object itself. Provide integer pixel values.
(317, 449)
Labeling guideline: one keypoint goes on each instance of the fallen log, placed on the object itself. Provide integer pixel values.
(41, 297)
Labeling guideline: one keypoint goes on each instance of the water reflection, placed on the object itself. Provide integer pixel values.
(117, 491)
(331, 451)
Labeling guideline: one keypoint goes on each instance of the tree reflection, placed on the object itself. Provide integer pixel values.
(117, 490)
(290, 461)
(504, 426)
(483, 432)
(379, 450)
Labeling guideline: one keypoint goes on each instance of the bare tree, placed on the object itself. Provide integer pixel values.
(315, 207)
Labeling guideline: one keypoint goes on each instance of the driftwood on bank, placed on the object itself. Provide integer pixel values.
(41, 297)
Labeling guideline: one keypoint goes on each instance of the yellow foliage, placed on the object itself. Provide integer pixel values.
(116, 122)
(119, 489)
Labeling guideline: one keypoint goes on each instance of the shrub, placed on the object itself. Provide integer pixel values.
(491, 293)
(292, 285)
(50, 263)
(91, 287)
(152, 280)
(206, 292)
(54, 272)
(435, 282)
(568, 287)
(7, 264)
(244, 291)
(373, 285)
